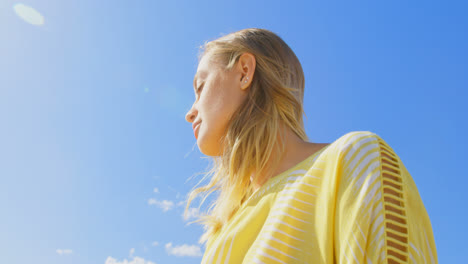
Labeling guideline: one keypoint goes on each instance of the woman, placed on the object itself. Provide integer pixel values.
(282, 199)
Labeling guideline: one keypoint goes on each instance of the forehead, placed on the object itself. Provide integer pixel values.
(207, 65)
(204, 66)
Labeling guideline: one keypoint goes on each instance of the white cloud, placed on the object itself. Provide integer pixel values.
(181, 203)
(156, 190)
(165, 205)
(183, 250)
(136, 260)
(155, 243)
(64, 251)
(132, 251)
(191, 213)
(29, 14)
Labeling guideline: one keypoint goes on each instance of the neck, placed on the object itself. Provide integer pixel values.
(295, 151)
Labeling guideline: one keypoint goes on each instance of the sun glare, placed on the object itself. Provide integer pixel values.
(29, 14)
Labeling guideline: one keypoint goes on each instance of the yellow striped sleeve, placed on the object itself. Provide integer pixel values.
(379, 214)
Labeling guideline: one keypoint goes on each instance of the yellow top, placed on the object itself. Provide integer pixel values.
(353, 201)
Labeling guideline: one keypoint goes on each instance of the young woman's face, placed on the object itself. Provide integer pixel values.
(219, 94)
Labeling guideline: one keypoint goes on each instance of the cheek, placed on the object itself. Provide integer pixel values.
(217, 109)
(217, 113)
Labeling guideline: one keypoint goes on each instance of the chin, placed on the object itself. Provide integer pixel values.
(208, 151)
(208, 148)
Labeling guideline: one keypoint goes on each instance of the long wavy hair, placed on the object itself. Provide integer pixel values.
(275, 99)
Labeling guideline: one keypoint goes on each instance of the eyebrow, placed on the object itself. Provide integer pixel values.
(195, 79)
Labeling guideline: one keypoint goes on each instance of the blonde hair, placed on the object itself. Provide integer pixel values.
(275, 97)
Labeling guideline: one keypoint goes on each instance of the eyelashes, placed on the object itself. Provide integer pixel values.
(200, 88)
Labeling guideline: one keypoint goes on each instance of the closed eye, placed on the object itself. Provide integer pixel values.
(200, 88)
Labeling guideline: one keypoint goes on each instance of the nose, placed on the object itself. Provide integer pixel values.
(191, 115)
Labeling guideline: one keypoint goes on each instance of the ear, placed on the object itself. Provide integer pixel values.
(246, 67)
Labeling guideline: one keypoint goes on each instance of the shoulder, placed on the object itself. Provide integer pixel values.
(356, 141)
(360, 149)
(364, 155)
(355, 138)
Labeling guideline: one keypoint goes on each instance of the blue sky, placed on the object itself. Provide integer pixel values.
(95, 151)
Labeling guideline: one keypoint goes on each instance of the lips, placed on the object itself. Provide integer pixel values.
(195, 124)
(195, 129)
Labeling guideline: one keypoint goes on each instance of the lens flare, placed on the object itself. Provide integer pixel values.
(29, 14)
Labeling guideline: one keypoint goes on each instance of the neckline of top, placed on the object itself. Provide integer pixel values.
(269, 182)
(273, 179)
